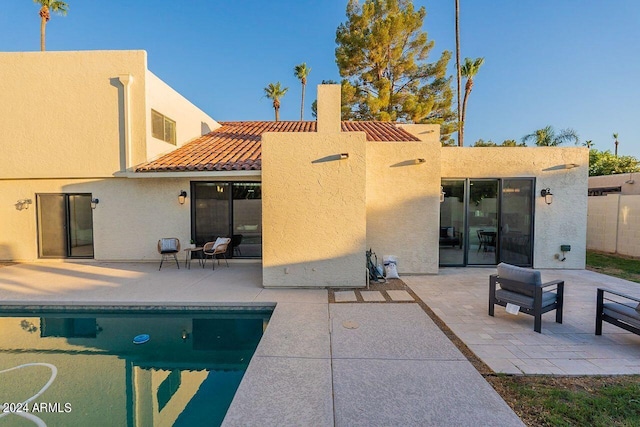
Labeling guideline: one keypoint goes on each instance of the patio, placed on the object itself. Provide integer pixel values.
(508, 344)
(313, 367)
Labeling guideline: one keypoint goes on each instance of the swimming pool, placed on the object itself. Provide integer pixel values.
(76, 366)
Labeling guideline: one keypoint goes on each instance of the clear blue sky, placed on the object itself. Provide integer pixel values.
(566, 63)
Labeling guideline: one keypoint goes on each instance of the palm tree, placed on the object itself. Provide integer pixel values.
(458, 71)
(301, 72)
(615, 137)
(469, 70)
(275, 92)
(547, 137)
(588, 143)
(48, 6)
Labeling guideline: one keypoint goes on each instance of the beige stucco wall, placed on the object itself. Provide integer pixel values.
(614, 224)
(69, 109)
(403, 200)
(127, 223)
(562, 222)
(191, 122)
(629, 182)
(60, 115)
(313, 209)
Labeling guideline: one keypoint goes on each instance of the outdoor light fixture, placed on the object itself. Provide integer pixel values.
(23, 204)
(442, 193)
(94, 203)
(570, 165)
(418, 161)
(548, 196)
(182, 196)
(185, 335)
(344, 156)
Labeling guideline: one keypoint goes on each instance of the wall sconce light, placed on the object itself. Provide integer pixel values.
(182, 196)
(94, 203)
(418, 161)
(23, 204)
(548, 196)
(442, 193)
(344, 156)
(185, 335)
(570, 165)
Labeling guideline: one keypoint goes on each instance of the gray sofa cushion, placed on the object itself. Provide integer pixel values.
(524, 301)
(622, 312)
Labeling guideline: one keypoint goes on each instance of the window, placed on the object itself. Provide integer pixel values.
(163, 127)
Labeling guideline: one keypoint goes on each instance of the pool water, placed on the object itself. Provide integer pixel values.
(84, 368)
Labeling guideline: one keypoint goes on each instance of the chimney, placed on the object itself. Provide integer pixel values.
(329, 99)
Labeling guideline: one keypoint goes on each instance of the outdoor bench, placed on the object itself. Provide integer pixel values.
(618, 309)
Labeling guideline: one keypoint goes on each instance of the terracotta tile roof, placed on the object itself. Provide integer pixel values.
(237, 145)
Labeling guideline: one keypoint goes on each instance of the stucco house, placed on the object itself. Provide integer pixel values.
(98, 154)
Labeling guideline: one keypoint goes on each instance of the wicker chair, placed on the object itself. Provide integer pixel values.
(169, 246)
(213, 249)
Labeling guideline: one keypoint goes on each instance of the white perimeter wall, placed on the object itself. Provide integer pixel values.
(614, 224)
(564, 222)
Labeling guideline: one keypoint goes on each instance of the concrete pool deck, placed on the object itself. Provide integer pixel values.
(356, 363)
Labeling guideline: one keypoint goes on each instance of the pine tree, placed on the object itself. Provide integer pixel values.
(382, 56)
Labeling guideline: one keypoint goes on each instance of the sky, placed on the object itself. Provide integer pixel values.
(565, 63)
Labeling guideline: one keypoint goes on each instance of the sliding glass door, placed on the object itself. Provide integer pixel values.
(453, 234)
(228, 209)
(516, 221)
(487, 221)
(65, 226)
(483, 221)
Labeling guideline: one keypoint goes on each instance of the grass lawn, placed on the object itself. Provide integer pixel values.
(578, 401)
(627, 268)
(572, 401)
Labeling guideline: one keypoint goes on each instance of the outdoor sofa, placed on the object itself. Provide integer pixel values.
(618, 309)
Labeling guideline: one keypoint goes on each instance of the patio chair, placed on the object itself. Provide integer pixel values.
(214, 249)
(523, 287)
(236, 241)
(487, 240)
(169, 246)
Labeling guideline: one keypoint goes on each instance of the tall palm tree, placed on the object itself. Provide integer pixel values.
(615, 137)
(48, 6)
(588, 143)
(458, 71)
(469, 70)
(547, 137)
(301, 72)
(274, 91)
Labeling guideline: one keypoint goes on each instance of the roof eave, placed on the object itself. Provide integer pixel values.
(192, 174)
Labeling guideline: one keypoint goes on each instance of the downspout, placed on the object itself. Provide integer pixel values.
(126, 80)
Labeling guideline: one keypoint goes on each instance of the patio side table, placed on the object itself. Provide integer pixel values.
(188, 252)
